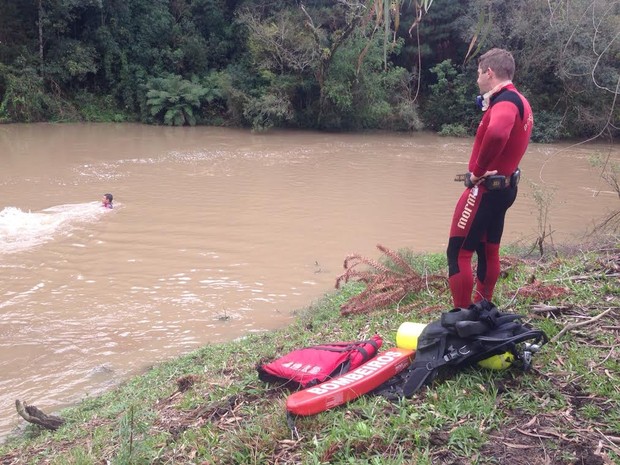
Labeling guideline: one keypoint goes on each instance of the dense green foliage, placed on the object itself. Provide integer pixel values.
(348, 65)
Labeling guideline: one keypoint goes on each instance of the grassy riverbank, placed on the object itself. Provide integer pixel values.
(210, 408)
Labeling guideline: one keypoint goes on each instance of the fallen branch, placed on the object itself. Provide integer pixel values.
(606, 358)
(32, 414)
(534, 435)
(583, 277)
(543, 308)
(611, 441)
(572, 326)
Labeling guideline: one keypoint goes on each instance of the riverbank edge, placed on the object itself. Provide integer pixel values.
(210, 407)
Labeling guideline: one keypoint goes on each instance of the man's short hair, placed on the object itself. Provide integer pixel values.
(500, 61)
(109, 197)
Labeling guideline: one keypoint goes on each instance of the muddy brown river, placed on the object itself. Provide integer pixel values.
(217, 233)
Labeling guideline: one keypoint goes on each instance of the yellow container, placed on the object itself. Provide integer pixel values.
(497, 362)
(407, 335)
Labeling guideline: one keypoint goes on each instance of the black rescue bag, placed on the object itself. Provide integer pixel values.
(461, 338)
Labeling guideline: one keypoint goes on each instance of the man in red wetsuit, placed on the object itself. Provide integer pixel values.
(501, 140)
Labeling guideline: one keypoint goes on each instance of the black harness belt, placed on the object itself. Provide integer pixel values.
(492, 183)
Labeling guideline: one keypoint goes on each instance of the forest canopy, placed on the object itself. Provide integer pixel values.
(324, 64)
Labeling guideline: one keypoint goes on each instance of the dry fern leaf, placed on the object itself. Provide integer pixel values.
(385, 285)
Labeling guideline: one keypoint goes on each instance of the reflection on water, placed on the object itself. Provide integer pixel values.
(215, 233)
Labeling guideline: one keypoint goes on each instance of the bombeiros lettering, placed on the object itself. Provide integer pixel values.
(357, 374)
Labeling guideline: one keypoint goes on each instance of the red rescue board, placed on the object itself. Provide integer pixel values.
(351, 385)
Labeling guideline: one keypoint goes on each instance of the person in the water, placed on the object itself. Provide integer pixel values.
(107, 201)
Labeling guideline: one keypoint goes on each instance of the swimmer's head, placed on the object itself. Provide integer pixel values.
(109, 197)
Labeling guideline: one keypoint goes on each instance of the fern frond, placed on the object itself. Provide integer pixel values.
(397, 259)
(384, 286)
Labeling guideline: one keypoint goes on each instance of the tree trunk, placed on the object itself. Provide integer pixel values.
(41, 30)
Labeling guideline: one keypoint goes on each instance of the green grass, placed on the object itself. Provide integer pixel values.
(210, 407)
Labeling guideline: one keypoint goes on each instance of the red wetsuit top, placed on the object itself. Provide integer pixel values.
(503, 133)
(478, 221)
